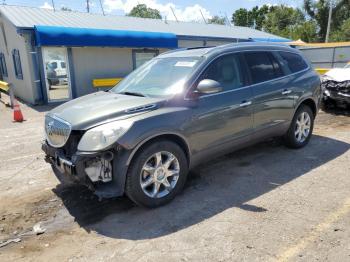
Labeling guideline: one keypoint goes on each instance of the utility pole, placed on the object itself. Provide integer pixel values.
(227, 20)
(329, 20)
(103, 11)
(53, 5)
(172, 10)
(87, 6)
(205, 21)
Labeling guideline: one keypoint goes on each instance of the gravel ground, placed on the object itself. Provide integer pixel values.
(266, 202)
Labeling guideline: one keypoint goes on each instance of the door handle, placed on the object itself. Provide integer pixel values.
(286, 92)
(245, 103)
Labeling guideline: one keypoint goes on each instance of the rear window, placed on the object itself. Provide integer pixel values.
(263, 66)
(294, 62)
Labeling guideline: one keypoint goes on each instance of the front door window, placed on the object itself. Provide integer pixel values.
(56, 73)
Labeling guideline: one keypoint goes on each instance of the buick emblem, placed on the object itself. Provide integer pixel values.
(49, 128)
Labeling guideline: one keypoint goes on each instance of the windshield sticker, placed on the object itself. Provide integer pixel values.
(186, 63)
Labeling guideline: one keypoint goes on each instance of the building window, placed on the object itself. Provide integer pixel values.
(142, 56)
(3, 68)
(17, 63)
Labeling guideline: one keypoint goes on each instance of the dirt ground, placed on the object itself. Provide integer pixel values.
(264, 203)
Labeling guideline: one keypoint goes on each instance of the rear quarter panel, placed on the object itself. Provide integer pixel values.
(308, 86)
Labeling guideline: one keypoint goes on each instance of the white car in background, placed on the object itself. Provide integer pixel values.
(339, 74)
(336, 86)
(56, 71)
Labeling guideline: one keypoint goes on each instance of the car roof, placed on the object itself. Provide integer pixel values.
(242, 46)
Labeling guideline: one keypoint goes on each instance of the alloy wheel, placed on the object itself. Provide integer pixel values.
(302, 127)
(159, 174)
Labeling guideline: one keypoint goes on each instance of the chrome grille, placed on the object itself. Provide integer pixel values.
(57, 131)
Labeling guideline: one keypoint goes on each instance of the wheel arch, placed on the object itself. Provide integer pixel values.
(176, 138)
(310, 103)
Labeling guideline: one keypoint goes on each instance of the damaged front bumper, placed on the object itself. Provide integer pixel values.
(102, 172)
(338, 92)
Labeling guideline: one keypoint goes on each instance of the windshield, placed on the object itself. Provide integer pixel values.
(159, 77)
(347, 65)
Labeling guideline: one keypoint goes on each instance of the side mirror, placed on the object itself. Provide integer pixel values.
(208, 86)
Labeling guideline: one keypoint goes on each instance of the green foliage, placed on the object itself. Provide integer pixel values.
(306, 31)
(217, 20)
(242, 17)
(343, 34)
(64, 8)
(293, 23)
(318, 10)
(282, 20)
(141, 10)
(259, 15)
(250, 18)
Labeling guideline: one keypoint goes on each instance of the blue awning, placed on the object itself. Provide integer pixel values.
(69, 36)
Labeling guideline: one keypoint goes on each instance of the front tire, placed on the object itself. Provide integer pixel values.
(157, 174)
(300, 130)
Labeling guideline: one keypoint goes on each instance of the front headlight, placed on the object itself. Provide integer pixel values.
(100, 137)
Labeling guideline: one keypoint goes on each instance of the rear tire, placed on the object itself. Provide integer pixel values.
(300, 130)
(156, 174)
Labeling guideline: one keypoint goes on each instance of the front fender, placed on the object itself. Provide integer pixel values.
(170, 121)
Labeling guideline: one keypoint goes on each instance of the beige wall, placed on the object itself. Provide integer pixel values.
(25, 89)
(190, 43)
(97, 62)
(196, 43)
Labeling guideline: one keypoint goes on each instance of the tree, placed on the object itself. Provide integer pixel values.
(64, 8)
(242, 17)
(141, 10)
(283, 20)
(319, 11)
(343, 34)
(251, 18)
(306, 31)
(259, 15)
(217, 20)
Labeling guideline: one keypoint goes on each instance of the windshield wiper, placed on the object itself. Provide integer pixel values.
(132, 93)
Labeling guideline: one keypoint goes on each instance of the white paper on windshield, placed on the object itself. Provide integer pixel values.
(186, 63)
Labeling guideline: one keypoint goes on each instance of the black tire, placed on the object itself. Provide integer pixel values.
(133, 185)
(50, 84)
(290, 138)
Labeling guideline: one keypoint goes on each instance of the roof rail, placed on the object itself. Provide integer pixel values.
(186, 48)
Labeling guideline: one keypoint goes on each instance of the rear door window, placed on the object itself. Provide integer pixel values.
(263, 66)
(294, 61)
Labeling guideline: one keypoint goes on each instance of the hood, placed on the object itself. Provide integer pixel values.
(339, 74)
(90, 110)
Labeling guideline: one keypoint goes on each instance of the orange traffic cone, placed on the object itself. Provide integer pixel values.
(17, 113)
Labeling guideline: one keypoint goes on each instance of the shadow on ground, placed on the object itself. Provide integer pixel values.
(336, 110)
(223, 183)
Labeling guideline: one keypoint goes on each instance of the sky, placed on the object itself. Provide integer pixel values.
(185, 10)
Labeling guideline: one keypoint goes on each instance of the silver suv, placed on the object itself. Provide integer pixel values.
(176, 111)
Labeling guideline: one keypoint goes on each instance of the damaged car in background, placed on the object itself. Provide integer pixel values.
(179, 110)
(336, 87)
